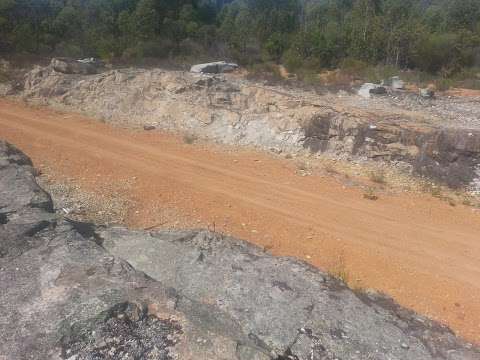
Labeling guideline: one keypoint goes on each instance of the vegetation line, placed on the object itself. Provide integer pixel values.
(433, 36)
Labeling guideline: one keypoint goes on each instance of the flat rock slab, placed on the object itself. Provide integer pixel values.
(74, 291)
(285, 305)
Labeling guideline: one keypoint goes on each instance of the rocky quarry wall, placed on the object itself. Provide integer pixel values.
(76, 291)
(232, 110)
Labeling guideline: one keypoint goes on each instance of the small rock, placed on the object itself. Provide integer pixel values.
(149, 127)
(379, 90)
(427, 93)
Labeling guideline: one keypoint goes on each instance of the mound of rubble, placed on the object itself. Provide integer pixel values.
(74, 291)
(229, 109)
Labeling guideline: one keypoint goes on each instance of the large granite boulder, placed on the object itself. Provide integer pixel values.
(70, 66)
(75, 291)
(217, 67)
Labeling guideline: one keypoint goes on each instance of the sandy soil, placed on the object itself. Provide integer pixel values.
(420, 250)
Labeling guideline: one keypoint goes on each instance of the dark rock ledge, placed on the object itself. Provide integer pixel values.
(74, 291)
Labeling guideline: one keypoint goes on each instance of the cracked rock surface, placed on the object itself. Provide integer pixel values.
(73, 291)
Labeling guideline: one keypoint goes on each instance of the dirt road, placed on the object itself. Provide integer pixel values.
(420, 250)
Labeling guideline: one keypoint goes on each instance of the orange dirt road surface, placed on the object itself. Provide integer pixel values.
(418, 249)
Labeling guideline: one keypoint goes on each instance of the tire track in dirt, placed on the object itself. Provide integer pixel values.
(421, 251)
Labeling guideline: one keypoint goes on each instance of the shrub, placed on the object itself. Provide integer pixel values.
(473, 84)
(444, 53)
(353, 66)
(378, 73)
(68, 50)
(309, 76)
(275, 46)
(3, 76)
(443, 84)
(157, 48)
(268, 71)
(292, 60)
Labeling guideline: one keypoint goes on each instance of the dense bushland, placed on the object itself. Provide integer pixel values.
(434, 36)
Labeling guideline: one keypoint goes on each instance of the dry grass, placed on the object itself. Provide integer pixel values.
(341, 274)
(330, 169)
(378, 177)
(302, 166)
(4, 77)
(370, 194)
(467, 202)
(339, 270)
(432, 189)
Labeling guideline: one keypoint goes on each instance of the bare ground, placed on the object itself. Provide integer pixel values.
(416, 248)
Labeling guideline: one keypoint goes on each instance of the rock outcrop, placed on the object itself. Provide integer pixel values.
(74, 291)
(233, 110)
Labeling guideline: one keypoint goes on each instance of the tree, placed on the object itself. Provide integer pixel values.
(5, 23)
(146, 19)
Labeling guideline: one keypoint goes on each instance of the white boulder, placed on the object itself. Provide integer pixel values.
(397, 83)
(217, 67)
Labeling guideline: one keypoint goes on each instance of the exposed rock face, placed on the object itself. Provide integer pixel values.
(321, 318)
(24, 208)
(68, 292)
(236, 111)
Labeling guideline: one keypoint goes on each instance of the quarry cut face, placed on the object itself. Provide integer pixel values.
(438, 138)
